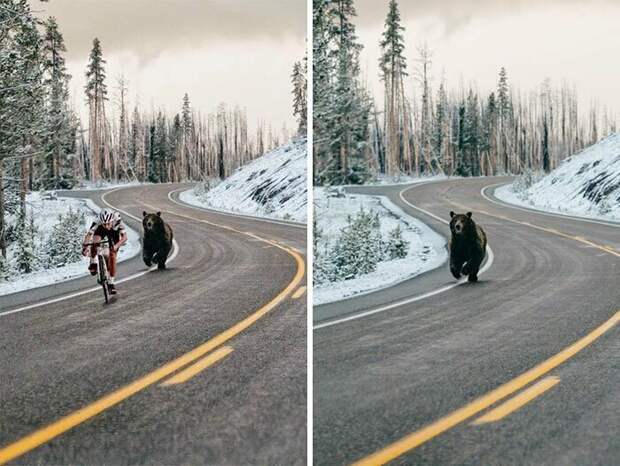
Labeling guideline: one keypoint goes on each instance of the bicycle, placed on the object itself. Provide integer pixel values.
(103, 276)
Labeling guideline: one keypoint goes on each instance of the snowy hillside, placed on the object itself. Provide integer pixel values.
(273, 185)
(586, 184)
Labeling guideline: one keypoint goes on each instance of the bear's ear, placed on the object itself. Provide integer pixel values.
(451, 214)
(469, 214)
(144, 213)
(159, 214)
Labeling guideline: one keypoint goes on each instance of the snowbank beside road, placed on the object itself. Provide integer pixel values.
(384, 180)
(46, 212)
(104, 185)
(272, 186)
(427, 249)
(586, 184)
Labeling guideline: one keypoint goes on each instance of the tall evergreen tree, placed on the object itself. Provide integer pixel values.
(153, 162)
(471, 137)
(300, 105)
(322, 85)
(60, 127)
(21, 100)
(188, 128)
(440, 129)
(504, 111)
(350, 104)
(393, 65)
(96, 94)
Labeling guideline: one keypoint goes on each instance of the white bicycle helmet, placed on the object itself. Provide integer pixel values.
(107, 216)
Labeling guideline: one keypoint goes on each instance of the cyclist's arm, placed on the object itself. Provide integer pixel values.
(88, 238)
(122, 239)
(90, 233)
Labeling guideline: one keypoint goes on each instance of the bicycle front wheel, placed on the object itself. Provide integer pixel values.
(103, 278)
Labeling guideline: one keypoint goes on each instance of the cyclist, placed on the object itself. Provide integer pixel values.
(108, 225)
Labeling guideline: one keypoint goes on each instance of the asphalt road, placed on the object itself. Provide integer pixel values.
(86, 383)
(404, 385)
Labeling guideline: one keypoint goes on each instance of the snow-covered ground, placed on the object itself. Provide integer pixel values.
(383, 180)
(586, 184)
(427, 249)
(90, 186)
(46, 213)
(272, 186)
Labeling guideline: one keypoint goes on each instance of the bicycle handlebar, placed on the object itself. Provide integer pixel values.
(106, 241)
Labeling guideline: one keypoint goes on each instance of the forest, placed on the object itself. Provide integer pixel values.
(416, 130)
(45, 145)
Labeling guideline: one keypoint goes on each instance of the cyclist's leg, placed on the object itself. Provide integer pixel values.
(111, 261)
(112, 264)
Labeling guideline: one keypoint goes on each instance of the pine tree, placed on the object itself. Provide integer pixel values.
(393, 64)
(322, 90)
(471, 136)
(488, 143)
(153, 162)
(161, 148)
(397, 247)
(188, 126)
(359, 246)
(21, 99)
(441, 129)
(504, 108)
(64, 243)
(60, 127)
(346, 108)
(96, 94)
(123, 130)
(25, 257)
(300, 85)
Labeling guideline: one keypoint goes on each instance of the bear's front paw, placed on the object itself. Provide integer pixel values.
(455, 272)
(147, 261)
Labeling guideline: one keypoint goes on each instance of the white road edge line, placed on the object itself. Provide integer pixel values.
(229, 214)
(97, 288)
(542, 212)
(485, 267)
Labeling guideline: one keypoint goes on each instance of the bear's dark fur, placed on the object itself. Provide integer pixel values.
(157, 240)
(467, 246)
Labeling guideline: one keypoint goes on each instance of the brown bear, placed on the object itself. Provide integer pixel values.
(467, 246)
(157, 242)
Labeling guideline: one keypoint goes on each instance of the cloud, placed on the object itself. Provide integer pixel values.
(456, 13)
(149, 27)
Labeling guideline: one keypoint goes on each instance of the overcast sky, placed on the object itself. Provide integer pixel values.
(234, 51)
(573, 40)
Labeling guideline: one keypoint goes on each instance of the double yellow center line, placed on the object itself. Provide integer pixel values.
(45, 434)
(445, 423)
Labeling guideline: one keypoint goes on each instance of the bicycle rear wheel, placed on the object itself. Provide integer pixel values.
(103, 278)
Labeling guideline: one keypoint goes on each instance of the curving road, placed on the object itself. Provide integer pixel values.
(204, 363)
(520, 368)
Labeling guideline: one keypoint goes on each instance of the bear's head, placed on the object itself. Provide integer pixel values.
(152, 222)
(461, 224)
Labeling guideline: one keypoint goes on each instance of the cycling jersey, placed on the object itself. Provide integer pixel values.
(114, 234)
